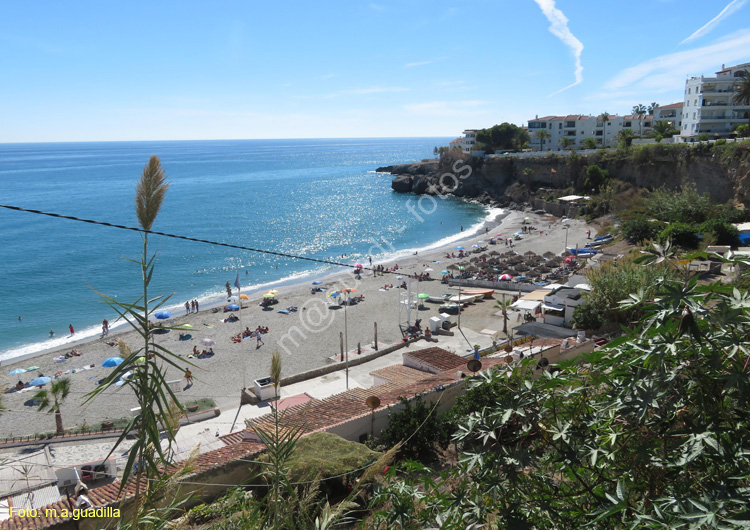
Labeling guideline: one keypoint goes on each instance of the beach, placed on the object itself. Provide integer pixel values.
(308, 338)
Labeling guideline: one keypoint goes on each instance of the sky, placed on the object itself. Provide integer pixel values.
(189, 70)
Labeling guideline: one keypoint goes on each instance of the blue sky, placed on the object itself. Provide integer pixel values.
(86, 71)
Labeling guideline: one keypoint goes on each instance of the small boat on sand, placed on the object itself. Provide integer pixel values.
(487, 293)
(465, 298)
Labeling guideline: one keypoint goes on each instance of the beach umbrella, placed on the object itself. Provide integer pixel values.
(163, 315)
(445, 271)
(423, 296)
(112, 362)
(244, 297)
(358, 265)
(506, 277)
(17, 371)
(185, 326)
(317, 282)
(429, 269)
(269, 295)
(274, 291)
(232, 299)
(40, 381)
(233, 307)
(461, 268)
(459, 248)
(453, 266)
(549, 254)
(499, 235)
(334, 294)
(526, 218)
(399, 277)
(208, 342)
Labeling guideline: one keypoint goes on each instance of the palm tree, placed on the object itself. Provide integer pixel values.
(742, 94)
(625, 138)
(640, 111)
(542, 135)
(566, 142)
(664, 129)
(651, 108)
(52, 400)
(604, 118)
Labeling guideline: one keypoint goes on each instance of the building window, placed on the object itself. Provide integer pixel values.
(695, 103)
(688, 91)
(627, 124)
(647, 124)
(693, 115)
(559, 125)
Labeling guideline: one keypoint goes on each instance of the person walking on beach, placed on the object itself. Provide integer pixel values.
(196, 305)
(260, 340)
(187, 307)
(229, 289)
(72, 331)
(192, 305)
(188, 376)
(105, 327)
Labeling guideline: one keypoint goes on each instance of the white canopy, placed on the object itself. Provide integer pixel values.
(526, 305)
(553, 307)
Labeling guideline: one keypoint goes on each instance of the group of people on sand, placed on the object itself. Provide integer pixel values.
(191, 306)
(258, 333)
(201, 354)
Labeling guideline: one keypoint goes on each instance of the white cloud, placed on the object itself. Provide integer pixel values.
(419, 63)
(559, 28)
(667, 72)
(733, 6)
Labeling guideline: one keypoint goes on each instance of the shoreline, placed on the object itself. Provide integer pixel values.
(211, 301)
(308, 339)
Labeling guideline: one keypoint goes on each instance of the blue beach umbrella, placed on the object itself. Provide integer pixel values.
(233, 307)
(18, 371)
(112, 362)
(459, 248)
(317, 282)
(334, 294)
(445, 272)
(163, 315)
(40, 381)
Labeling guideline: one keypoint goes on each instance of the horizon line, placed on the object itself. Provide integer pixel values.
(221, 139)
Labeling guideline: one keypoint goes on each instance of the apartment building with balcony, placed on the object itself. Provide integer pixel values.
(708, 104)
(470, 140)
(578, 127)
(672, 114)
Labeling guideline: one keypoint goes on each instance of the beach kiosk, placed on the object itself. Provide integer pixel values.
(264, 389)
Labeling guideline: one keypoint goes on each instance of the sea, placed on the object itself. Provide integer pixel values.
(318, 199)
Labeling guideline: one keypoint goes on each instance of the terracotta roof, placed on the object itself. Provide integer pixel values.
(109, 494)
(671, 106)
(546, 118)
(436, 359)
(399, 373)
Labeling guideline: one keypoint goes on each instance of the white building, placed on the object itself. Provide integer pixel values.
(470, 140)
(560, 303)
(708, 104)
(577, 128)
(672, 114)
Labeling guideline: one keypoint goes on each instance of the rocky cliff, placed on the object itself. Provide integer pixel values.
(722, 171)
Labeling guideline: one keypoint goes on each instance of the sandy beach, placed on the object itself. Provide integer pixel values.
(307, 338)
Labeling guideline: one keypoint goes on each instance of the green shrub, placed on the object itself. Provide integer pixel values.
(702, 137)
(723, 232)
(419, 427)
(685, 206)
(588, 316)
(640, 229)
(595, 177)
(681, 234)
(720, 141)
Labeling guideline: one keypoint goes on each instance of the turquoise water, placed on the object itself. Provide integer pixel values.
(316, 198)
